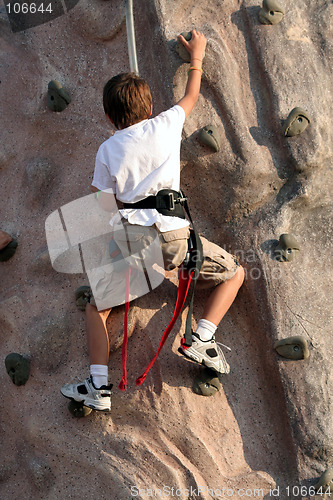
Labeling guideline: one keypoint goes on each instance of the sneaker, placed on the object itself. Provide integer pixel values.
(206, 352)
(89, 395)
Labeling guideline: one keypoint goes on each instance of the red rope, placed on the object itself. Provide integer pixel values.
(184, 284)
(123, 383)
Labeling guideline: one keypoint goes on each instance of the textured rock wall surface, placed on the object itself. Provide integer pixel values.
(271, 425)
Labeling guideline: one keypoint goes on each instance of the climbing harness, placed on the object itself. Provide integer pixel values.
(169, 202)
(166, 202)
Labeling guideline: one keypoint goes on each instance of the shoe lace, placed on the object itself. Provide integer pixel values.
(220, 343)
(221, 354)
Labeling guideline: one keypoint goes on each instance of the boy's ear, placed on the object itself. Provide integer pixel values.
(151, 109)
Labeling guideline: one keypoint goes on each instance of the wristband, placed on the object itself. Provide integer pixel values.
(193, 68)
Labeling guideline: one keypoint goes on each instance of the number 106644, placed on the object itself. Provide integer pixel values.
(28, 8)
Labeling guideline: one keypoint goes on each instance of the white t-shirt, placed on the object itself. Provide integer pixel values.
(140, 160)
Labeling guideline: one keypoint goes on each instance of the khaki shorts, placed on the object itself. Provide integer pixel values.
(218, 265)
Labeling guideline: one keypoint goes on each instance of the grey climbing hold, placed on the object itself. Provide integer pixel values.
(293, 348)
(8, 252)
(209, 135)
(78, 410)
(325, 483)
(180, 49)
(57, 98)
(18, 368)
(83, 295)
(207, 383)
(271, 12)
(287, 248)
(297, 121)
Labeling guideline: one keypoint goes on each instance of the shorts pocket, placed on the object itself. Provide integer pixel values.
(133, 239)
(218, 265)
(174, 247)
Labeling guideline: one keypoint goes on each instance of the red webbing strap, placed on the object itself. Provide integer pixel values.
(184, 284)
(123, 383)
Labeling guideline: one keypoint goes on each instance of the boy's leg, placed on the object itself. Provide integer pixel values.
(94, 392)
(97, 335)
(222, 297)
(98, 344)
(220, 270)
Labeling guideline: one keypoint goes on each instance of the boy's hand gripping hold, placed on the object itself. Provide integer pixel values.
(196, 48)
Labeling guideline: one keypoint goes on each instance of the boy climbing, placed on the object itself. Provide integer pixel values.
(140, 160)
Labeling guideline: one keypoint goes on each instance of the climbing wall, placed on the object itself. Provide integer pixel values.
(268, 431)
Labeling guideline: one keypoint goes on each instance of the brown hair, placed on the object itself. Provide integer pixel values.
(127, 99)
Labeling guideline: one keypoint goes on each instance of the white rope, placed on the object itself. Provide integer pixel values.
(131, 36)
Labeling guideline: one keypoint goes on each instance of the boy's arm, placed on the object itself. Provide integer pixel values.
(106, 200)
(196, 48)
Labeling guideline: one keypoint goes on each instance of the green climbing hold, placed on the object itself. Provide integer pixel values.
(8, 252)
(287, 249)
(57, 98)
(180, 49)
(209, 135)
(18, 368)
(271, 12)
(325, 483)
(83, 295)
(293, 348)
(296, 123)
(78, 410)
(207, 383)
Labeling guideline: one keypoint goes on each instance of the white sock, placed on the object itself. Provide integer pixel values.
(99, 375)
(205, 329)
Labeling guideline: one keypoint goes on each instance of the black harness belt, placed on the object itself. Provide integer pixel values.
(173, 203)
(166, 202)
